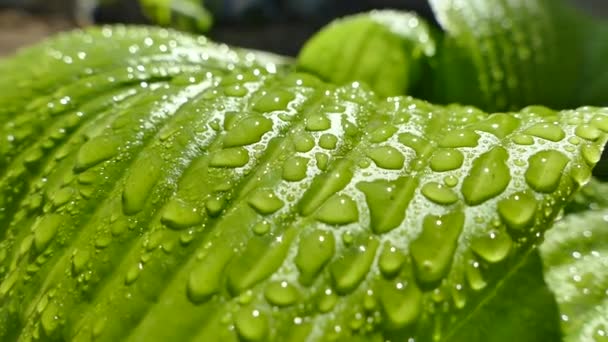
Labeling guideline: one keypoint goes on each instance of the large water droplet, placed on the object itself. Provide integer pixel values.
(230, 157)
(179, 215)
(391, 260)
(382, 133)
(328, 141)
(388, 201)
(45, 230)
(303, 142)
(460, 138)
(317, 122)
(493, 246)
(248, 131)
(439, 193)
(265, 201)
(338, 210)
(325, 186)
(314, 252)
(352, 267)
(518, 210)
(140, 182)
(588, 132)
(488, 178)
(281, 293)
(433, 249)
(446, 160)
(294, 169)
(401, 303)
(205, 278)
(545, 170)
(97, 150)
(547, 131)
(387, 157)
(251, 324)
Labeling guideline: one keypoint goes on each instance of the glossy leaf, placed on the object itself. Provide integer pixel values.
(227, 197)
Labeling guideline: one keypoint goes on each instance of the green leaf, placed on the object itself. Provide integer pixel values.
(575, 257)
(385, 49)
(216, 195)
(189, 15)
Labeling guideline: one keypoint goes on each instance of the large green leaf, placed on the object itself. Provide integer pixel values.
(575, 260)
(220, 196)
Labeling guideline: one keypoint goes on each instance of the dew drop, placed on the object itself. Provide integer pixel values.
(488, 178)
(588, 132)
(387, 202)
(281, 293)
(460, 138)
(294, 169)
(327, 301)
(265, 201)
(215, 204)
(547, 131)
(523, 139)
(446, 160)
(545, 170)
(272, 101)
(591, 153)
(317, 122)
(140, 182)
(338, 210)
(251, 324)
(315, 250)
(352, 267)
(178, 215)
(518, 210)
(382, 133)
(80, 258)
(433, 249)
(439, 193)
(248, 131)
(303, 142)
(230, 158)
(97, 150)
(45, 230)
(391, 260)
(401, 303)
(387, 157)
(328, 141)
(493, 246)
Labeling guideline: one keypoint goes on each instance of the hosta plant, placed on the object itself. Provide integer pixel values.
(156, 186)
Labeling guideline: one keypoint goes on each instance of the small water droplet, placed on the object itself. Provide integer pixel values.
(315, 250)
(230, 158)
(317, 122)
(338, 210)
(401, 303)
(493, 246)
(391, 260)
(281, 293)
(439, 193)
(251, 324)
(248, 131)
(328, 141)
(387, 157)
(294, 169)
(265, 201)
(446, 160)
(303, 142)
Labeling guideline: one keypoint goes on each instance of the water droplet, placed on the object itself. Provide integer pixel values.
(588, 132)
(523, 139)
(265, 201)
(262, 256)
(314, 252)
(236, 90)
(391, 260)
(387, 157)
(387, 201)
(328, 141)
(547, 131)
(97, 150)
(322, 160)
(251, 324)
(230, 157)
(275, 100)
(401, 303)
(545, 170)
(415, 142)
(600, 121)
(179, 215)
(460, 138)
(50, 319)
(499, 124)
(281, 293)
(45, 230)
(303, 142)
(317, 122)
(382, 133)
(591, 153)
(248, 131)
(103, 240)
(133, 273)
(518, 210)
(439, 193)
(140, 182)
(62, 196)
(294, 169)
(493, 246)
(206, 277)
(352, 267)
(446, 160)
(474, 276)
(488, 178)
(215, 204)
(433, 249)
(325, 186)
(327, 301)
(338, 210)
(581, 174)
(80, 258)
